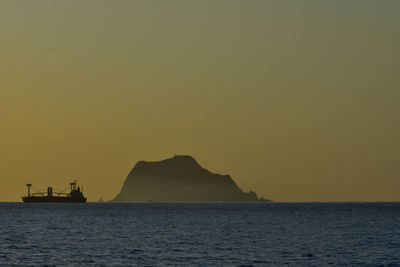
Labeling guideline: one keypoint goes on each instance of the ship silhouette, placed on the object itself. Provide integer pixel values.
(75, 195)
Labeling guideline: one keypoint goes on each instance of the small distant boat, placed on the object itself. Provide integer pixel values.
(75, 196)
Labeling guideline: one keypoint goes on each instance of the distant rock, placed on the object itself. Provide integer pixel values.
(180, 179)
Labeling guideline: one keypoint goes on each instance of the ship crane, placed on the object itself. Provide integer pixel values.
(73, 185)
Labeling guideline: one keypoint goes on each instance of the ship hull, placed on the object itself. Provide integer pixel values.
(52, 199)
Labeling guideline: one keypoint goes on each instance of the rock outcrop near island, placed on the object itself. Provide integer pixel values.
(179, 179)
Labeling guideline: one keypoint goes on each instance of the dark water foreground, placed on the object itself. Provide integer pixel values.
(258, 234)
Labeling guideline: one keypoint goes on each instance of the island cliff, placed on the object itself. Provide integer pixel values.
(179, 179)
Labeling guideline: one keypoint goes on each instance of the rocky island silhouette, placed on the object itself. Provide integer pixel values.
(180, 179)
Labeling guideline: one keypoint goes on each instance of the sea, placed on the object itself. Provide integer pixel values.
(200, 234)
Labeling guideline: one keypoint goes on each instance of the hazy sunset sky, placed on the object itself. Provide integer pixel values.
(296, 100)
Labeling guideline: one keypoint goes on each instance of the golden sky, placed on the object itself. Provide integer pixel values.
(296, 100)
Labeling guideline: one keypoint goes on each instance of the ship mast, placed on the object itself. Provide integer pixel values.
(29, 189)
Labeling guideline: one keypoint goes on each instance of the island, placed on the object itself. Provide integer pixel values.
(180, 179)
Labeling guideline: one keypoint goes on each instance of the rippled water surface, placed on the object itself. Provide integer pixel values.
(259, 234)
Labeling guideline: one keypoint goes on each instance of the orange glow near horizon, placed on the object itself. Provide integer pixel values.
(296, 101)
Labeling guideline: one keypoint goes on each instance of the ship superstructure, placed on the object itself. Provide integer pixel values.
(74, 196)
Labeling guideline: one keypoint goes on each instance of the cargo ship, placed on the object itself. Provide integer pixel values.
(75, 195)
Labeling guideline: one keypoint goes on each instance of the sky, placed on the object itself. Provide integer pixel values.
(296, 100)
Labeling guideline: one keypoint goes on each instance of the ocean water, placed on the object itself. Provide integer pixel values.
(202, 234)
